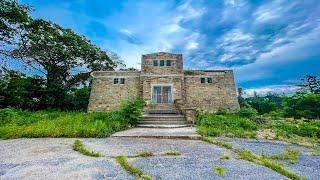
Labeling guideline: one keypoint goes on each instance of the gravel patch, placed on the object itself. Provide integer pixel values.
(53, 158)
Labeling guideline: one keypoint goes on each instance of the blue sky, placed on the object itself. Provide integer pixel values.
(269, 44)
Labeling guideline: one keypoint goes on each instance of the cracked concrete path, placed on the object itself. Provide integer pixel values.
(53, 158)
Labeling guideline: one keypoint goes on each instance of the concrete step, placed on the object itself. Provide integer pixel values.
(168, 122)
(163, 111)
(162, 115)
(163, 119)
(162, 126)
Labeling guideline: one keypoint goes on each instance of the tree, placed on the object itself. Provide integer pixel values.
(65, 58)
(302, 104)
(310, 84)
(19, 91)
(240, 96)
(13, 18)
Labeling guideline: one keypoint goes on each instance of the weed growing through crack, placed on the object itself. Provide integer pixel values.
(142, 154)
(78, 146)
(224, 157)
(220, 171)
(131, 169)
(172, 153)
(261, 160)
(264, 161)
(218, 143)
(288, 154)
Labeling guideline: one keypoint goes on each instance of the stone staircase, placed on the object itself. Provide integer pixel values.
(162, 118)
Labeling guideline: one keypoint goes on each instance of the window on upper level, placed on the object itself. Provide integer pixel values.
(168, 62)
(118, 80)
(115, 80)
(209, 79)
(161, 62)
(203, 80)
(122, 80)
(155, 62)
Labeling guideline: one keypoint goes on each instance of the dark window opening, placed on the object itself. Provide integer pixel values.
(161, 62)
(209, 80)
(121, 80)
(168, 62)
(203, 80)
(115, 81)
(155, 63)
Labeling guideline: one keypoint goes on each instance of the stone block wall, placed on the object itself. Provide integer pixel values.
(175, 68)
(107, 96)
(221, 93)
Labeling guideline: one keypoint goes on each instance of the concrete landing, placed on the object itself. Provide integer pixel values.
(165, 133)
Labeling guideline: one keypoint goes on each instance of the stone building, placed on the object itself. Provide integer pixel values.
(163, 83)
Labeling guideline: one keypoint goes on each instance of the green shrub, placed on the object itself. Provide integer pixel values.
(210, 124)
(131, 110)
(67, 124)
(7, 115)
(221, 112)
(300, 105)
(247, 112)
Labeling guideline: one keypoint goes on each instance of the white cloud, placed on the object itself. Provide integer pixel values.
(192, 45)
(126, 32)
(279, 89)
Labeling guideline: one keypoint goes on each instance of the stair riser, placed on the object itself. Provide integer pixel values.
(163, 122)
(163, 119)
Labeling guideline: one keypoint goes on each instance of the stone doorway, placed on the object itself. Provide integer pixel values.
(162, 94)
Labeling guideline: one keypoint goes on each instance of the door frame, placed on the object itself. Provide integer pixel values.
(171, 86)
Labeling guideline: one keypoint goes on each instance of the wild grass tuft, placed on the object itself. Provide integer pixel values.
(288, 154)
(218, 143)
(142, 154)
(131, 169)
(78, 146)
(247, 155)
(172, 153)
(220, 171)
(224, 157)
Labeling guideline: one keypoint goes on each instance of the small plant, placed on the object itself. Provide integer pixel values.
(224, 157)
(78, 146)
(247, 113)
(172, 153)
(218, 143)
(289, 154)
(142, 154)
(131, 169)
(220, 171)
(259, 120)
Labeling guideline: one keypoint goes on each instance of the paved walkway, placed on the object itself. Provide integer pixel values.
(166, 133)
(53, 158)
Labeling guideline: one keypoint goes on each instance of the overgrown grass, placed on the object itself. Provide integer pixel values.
(247, 155)
(131, 169)
(218, 143)
(172, 153)
(78, 146)
(17, 124)
(288, 154)
(142, 154)
(231, 125)
(220, 171)
(299, 132)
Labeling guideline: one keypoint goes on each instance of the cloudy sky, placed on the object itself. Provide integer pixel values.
(270, 44)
